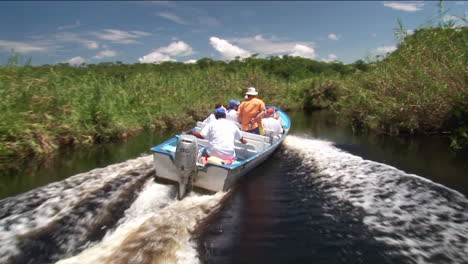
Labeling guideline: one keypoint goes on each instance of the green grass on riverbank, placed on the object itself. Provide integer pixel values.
(45, 107)
(420, 88)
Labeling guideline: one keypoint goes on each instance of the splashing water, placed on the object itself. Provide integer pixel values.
(157, 236)
(60, 218)
(116, 214)
(425, 221)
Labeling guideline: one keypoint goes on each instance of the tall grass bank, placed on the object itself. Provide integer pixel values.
(420, 88)
(49, 106)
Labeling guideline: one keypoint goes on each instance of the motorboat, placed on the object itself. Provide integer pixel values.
(177, 160)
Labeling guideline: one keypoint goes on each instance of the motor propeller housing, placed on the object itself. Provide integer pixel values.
(186, 161)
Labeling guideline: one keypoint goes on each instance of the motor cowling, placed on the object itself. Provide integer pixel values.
(185, 160)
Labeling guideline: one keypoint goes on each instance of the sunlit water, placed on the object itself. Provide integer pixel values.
(311, 202)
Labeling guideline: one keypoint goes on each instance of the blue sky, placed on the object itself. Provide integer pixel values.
(150, 32)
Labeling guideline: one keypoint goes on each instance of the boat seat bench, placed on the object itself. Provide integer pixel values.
(259, 142)
(242, 151)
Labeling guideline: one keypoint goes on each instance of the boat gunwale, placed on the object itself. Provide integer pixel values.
(171, 154)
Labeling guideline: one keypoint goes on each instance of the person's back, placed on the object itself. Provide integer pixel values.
(271, 123)
(212, 117)
(221, 135)
(231, 113)
(249, 109)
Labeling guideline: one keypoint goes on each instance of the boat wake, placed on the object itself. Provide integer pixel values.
(153, 233)
(116, 214)
(422, 220)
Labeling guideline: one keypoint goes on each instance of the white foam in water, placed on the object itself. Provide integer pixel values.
(426, 221)
(153, 197)
(151, 233)
(155, 228)
(57, 199)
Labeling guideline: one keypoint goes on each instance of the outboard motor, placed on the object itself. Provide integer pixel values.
(186, 161)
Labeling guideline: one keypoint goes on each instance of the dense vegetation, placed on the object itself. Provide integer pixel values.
(419, 88)
(51, 105)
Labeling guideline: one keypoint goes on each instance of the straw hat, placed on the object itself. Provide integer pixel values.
(251, 91)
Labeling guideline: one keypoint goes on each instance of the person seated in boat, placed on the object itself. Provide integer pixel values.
(264, 114)
(272, 123)
(212, 117)
(231, 113)
(221, 135)
(248, 111)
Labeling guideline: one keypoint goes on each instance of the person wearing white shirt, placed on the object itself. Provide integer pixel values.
(221, 135)
(271, 122)
(212, 117)
(231, 113)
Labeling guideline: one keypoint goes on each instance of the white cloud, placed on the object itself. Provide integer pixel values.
(77, 24)
(374, 35)
(76, 38)
(333, 37)
(457, 21)
(140, 33)
(459, 3)
(228, 50)
(385, 49)
(178, 48)
(303, 51)
(271, 46)
(21, 47)
(105, 54)
(90, 44)
(449, 18)
(76, 60)
(330, 57)
(120, 36)
(409, 7)
(173, 17)
(155, 57)
(191, 61)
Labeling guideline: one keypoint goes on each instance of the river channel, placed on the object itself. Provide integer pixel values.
(328, 195)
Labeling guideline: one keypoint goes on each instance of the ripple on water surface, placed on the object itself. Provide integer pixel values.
(116, 214)
(314, 203)
(310, 203)
(419, 219)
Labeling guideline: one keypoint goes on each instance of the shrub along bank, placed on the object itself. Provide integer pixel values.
(418, 89)
(45, 107)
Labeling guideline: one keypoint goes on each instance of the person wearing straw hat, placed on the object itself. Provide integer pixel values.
(248, 111)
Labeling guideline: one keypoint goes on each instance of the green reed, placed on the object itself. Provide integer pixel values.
(420, 88)
(45, 107)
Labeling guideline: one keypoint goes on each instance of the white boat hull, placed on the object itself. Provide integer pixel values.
(217, 177)
(210, 177)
